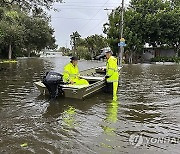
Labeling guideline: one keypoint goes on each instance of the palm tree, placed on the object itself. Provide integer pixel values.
(75, 37)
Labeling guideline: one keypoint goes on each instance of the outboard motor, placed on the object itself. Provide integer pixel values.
(53, 82)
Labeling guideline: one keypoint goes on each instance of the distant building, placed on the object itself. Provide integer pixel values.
(150, 52)
(50, 53)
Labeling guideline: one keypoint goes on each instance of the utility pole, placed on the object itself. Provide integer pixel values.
(121, 48)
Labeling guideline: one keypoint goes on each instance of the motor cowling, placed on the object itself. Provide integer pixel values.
(53, 82)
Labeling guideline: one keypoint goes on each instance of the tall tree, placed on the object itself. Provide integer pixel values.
(95, 43)
(160, 21)
(169, 22)
(112, 30)
(75, 38)
(24, 32)
(146, 21)
(12, 31)
(38, 35)
(30, 4)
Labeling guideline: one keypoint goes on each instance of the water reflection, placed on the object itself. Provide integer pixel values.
(111, 117)
(148, 103)
(112, 112)
(68, 117)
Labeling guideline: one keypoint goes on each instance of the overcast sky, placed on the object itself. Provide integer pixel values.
(86, 17)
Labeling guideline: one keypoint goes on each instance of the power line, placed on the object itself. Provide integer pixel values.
(85, 5)
(82, 28)
(79, 8)
(96, 26)
(74, 18)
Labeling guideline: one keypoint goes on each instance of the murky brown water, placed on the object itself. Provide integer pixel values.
(145, 119)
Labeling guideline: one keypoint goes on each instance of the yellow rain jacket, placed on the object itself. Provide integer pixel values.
(71, 73)
(112, 72)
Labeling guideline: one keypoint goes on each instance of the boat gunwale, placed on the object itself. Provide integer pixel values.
(89, 86)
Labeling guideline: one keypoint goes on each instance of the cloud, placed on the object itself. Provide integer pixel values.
(85, 17)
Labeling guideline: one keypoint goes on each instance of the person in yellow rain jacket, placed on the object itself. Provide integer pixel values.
(71, 73)
(112, 75)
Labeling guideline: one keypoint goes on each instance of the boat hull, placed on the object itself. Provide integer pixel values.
(95, 76)
(97, 83)
(80, 93)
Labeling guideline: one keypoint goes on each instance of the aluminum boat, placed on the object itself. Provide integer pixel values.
(96, 83)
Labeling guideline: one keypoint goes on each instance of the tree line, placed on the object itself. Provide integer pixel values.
(85, 48)
(155, 22)
(25, 28)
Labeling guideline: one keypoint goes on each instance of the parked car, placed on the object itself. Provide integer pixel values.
(102, 56)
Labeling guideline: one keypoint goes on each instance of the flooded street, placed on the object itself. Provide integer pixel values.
(144, 120)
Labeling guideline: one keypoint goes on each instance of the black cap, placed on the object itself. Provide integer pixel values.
(74, 58)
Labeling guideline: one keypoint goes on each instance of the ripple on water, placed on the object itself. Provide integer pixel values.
(148, 105)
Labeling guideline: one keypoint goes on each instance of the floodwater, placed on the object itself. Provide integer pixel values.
(144, 119)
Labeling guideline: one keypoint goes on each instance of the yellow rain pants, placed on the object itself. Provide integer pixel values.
(112, 72)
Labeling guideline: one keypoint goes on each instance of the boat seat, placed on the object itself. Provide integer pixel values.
(92, 78)
(74, 86)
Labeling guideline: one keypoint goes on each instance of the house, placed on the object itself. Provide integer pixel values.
(150, 52)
